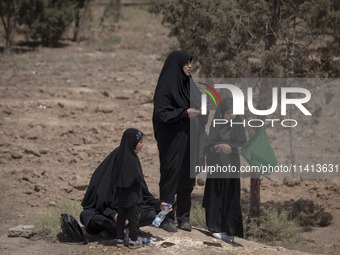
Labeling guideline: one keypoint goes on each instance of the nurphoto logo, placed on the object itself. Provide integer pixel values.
(239, 103)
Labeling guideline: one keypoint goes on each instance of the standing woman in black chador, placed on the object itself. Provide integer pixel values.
(222, 191)
(176, 104)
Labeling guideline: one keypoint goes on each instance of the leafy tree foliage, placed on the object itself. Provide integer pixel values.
(262, 38)
(46, 20)
(42, 20)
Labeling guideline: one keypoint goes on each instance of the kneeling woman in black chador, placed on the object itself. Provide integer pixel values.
(118, 192)
(222, 190)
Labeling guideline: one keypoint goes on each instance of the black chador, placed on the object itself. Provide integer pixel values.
(100, 202)
(174, 94)
(222, 192)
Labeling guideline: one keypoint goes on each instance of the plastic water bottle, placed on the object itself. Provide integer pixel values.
(161, 216)
(144, 240)
(126, 237)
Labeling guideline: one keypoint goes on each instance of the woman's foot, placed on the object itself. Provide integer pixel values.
(120, 242)
(104, 234)
(169, 226)
(224, 237)
(185, 226)
(135, 244)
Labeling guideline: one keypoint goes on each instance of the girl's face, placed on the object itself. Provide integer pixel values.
(139, 145)
(228, 115)
(187, 68)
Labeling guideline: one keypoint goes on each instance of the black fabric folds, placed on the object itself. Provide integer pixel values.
(100, 196)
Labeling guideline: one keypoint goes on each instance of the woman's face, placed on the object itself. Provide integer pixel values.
(228, 115)
(139, 145)
(187, 68)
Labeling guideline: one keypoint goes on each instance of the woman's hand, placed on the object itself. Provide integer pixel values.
(225, 148)
(193, 112)
(239, 150)
(163, 204)
(116, 217)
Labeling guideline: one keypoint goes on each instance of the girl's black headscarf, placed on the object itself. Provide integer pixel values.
(235, 135)
(127, 168)
(174, 87)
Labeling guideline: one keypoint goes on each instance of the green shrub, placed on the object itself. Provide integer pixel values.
(273, 226)
(46, 20)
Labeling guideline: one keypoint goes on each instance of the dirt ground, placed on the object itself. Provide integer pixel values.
(89, 93)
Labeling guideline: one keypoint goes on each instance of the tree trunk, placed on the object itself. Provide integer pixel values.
(9, 20)
(76, 26)
(254, 208)
(291, 112)
(274, 24)
(255, 181)
(12, 21)
(292, 142)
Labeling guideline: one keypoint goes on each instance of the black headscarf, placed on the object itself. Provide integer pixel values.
(127, 168)
(235, 135)
(173, 90)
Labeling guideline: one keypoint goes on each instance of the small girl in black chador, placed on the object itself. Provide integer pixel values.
(128, 176)
(221, 198)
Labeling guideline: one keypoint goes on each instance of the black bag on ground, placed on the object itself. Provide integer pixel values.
(72, 230)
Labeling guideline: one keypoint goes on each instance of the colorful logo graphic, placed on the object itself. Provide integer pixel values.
(204, 96)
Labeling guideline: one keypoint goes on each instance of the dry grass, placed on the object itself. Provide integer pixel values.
(197, 215)
(272, 227)
(50, 222)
